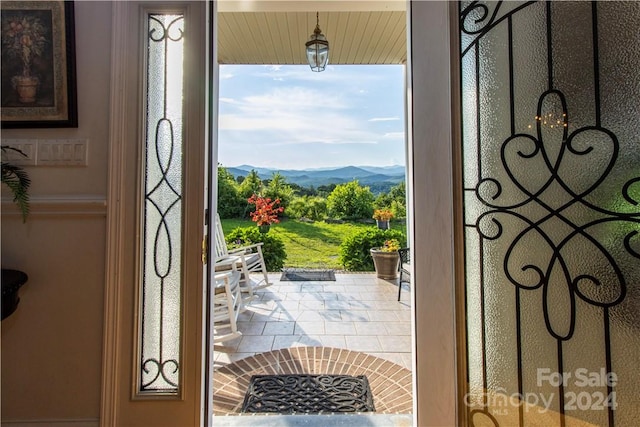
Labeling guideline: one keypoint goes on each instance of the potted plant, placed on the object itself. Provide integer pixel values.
(17, 180)
(23, 37)
(266, 212)
(386, 259)
(382, 217)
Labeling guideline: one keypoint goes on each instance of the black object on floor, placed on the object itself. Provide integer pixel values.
(305, 275)
(12, 281)
(308, 394)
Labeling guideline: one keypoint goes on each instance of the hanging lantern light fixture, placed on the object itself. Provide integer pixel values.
(317, 49)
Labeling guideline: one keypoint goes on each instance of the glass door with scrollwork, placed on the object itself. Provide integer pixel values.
(550, 98)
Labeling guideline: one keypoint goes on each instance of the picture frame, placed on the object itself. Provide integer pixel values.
(38, 78)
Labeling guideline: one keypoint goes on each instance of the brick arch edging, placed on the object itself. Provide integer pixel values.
(391, 384)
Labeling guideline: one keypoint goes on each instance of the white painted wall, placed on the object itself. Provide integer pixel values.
(52, 344)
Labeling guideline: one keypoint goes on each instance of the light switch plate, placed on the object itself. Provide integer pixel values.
(48, 152)
(28, 147)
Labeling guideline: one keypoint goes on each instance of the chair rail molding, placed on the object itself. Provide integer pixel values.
(79, 422)
(73, 205)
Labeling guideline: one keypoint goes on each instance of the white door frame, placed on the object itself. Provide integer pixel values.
(431, 91)
(430, 87)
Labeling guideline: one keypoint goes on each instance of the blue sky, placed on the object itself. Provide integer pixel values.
(288, 117)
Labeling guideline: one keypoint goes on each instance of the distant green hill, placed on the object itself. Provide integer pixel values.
(379, 179)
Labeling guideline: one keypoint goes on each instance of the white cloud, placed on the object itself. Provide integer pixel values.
(226, 76)
(297, 115)
(285, 129)
(394, 135)
(293, 99)
(384, 119)
(329, 75)
(306, 117)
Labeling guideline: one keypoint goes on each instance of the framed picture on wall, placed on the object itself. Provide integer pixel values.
(38, 64)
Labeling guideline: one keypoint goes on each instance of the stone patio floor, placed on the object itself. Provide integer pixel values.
(353, 325)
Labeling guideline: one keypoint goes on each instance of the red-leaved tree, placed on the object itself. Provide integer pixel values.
(266, 212)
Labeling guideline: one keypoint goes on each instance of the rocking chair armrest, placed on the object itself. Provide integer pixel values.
(244, 249)
(224, 276)
(227, 261)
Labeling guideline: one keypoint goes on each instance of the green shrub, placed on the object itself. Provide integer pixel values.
(398, 209)
(354, 250)
(395, 200)
(230, 203)
(350, 201)
(311, 207)
(272, 248)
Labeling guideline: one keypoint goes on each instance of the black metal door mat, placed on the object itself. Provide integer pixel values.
(306, 275)
(308, 394)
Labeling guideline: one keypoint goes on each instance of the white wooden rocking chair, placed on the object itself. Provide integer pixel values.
(248, 259)
(227, 305)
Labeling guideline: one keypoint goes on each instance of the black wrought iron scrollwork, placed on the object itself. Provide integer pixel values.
(479, 417)
(161, 31)
(478, 12)
(549, 206)
(160, 369)
(565, 214)
(626, 191)
(478, 18)
(154, 369)
(164, 197)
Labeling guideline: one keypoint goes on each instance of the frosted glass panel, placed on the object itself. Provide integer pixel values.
(551, 176)
(162, 213)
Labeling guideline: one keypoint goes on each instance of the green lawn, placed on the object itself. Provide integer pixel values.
(308, 245)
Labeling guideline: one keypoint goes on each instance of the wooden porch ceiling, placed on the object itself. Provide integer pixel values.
(274, 32)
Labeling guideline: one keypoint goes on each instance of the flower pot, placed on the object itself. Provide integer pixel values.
(12, 280)
(26, 88)
(385, 263)
(382, 225)
(264, 228)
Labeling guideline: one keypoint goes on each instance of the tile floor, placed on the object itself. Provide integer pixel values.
(358, 312)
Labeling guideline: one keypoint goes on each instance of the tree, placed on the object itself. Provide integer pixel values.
(303, 191)
(383, 201)
(399, 192)
(325, 190)
(398, 196)
(251, 185)
(230, 203)
(311, 207)
(350, 201)
(278, 188)
(395, 200)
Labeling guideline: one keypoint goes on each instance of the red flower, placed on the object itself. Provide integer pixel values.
(266, 211)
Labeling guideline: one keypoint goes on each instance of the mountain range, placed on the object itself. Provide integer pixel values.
(379, 179)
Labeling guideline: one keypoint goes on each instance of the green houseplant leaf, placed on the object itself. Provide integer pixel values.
(17, 180)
